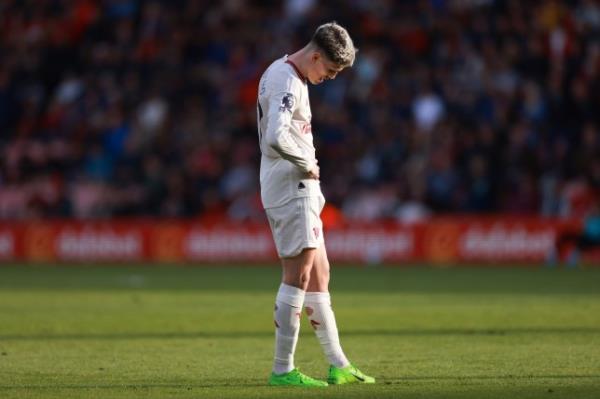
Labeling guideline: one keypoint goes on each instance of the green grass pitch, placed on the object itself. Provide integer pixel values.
(207, 332)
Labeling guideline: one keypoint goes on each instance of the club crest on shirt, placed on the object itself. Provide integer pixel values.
(287, 102)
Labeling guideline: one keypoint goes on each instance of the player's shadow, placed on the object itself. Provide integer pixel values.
(257, 383)
(211, 383)
(269, 334)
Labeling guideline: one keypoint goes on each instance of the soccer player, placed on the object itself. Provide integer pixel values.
(292, 198)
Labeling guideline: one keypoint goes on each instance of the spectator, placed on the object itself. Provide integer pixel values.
(146, 108)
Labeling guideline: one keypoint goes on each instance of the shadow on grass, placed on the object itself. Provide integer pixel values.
(401, 380)
(267, 334)
(257, 383)
(230, 383)
(216, 279)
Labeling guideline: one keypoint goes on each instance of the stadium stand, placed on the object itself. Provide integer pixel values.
(147, 108)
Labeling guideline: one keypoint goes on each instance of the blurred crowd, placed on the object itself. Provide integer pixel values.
(114, 108)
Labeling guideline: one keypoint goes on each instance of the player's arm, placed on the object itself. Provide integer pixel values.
(280, 109)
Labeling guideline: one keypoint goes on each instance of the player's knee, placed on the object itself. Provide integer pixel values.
(319, 281)
(322, 283)
(304, 279)
(325, 278)
(298, 278)
(323, 272)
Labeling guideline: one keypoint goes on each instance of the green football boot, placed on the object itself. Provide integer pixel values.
(348, 374)
(295, 378)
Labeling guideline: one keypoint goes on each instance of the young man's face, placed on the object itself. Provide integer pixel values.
(322, 69)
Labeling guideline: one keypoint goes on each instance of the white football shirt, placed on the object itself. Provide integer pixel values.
(285, 135)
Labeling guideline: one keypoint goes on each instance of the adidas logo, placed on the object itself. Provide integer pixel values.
(301, 186)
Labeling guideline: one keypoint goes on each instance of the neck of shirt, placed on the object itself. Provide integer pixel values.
(300, 75)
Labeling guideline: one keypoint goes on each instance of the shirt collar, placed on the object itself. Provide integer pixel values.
(300, 75)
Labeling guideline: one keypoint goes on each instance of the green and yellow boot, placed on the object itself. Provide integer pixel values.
(295, 378)
(348, 374)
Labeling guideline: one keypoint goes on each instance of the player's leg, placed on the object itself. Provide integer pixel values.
(288, 309)
(297, 269)
(317, 303)
(297, 257)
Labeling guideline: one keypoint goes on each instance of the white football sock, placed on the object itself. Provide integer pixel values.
(319, 311)
(288, 308)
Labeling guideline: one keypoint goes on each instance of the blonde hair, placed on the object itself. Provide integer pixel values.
(335, 43)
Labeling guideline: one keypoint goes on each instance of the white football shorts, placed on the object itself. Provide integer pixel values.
(297, 225)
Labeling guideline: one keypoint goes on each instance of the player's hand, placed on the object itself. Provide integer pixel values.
(314, 173)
